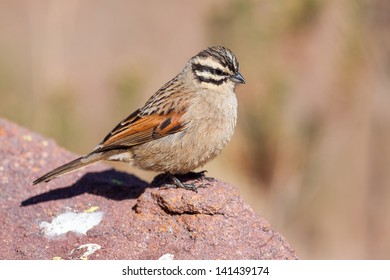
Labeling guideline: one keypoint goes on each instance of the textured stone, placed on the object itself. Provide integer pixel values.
(139, 221)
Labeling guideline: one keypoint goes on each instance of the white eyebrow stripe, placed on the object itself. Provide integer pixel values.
(208, 75)
(212, 63)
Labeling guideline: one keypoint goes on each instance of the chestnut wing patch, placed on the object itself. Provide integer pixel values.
(136, 130)
(171, 124)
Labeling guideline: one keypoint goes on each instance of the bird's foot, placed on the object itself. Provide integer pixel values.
(177, 181)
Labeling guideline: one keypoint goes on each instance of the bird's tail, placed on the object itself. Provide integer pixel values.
(69, 167)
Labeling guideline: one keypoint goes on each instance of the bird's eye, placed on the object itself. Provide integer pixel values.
(219, 72)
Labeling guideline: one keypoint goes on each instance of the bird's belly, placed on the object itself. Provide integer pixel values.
(184, 151)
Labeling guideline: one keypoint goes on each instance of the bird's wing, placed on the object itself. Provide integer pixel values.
(138, 129)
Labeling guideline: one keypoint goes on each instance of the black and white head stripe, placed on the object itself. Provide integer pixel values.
(214, 65)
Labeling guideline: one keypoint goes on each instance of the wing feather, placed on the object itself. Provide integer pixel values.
(141, 129)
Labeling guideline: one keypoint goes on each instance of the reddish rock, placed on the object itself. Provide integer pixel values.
(131, 219)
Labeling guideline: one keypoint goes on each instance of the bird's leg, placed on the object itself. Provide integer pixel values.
(176, 183)
(187, 186)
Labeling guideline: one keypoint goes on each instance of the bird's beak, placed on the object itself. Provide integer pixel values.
(237, 78)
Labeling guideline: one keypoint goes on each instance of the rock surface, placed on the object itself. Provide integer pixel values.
(99, 213)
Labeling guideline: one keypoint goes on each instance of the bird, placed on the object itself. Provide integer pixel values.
(181, 127)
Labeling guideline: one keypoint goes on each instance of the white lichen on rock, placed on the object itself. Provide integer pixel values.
(70, 221)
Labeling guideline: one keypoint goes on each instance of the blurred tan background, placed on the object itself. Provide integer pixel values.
(311, 152)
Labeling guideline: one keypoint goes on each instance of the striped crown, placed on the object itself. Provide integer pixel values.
(216, 65)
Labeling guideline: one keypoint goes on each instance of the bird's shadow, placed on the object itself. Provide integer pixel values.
(111, 184)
